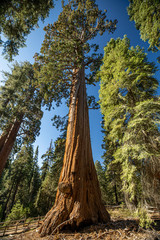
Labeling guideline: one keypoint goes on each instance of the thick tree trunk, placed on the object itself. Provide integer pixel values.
(78, 200)
(7, 140)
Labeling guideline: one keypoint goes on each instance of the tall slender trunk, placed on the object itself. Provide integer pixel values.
(6, 203)
(116, 194)
(78, 200)
(9, 208)
(7, 140)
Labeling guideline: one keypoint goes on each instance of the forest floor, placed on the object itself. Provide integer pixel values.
(123, 226)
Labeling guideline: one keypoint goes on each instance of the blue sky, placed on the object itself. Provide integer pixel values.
(116, 9)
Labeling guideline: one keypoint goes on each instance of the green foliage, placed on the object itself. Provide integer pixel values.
(131, 112)
(144, 219)
(17, 212)
(46, 195)
(147, 20)
(47, 161)
(112, 170)
(110, 183)
(18, 19)
(102, 181)
(22, 183)
(20, 100)
(51, 168)
(66, 48)
(29, 182)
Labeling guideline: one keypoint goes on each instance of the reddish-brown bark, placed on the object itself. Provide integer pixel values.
(7, 140)
(78, 200)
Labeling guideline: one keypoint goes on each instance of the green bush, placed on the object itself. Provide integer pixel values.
(17, 212)
(144, 219)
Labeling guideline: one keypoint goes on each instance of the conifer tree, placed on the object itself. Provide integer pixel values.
(112, 171)
(18, 19)
(47, 161)
(50, 175)
(102, 181)
(20, 109)
(131, 112)
(145, 13)
(5, 184)
(23, 182)
(62, 63)
(20, 173)
(34, 183)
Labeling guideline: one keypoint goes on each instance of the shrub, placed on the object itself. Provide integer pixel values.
(17, 212)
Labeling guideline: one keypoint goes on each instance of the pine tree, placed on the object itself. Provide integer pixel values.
(131, 113)
(23, 182)
(5, 184)
(20, 109)
(45, 196)
(18, 19)
(47, 161)
(112, 170)
(145, 13)
(34, 183)
(18, 180)
(17, 213)
(62, 63)
(51, 168)
(102, 181)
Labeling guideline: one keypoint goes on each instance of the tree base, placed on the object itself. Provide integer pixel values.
(67, 214)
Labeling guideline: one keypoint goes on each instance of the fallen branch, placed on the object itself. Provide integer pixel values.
(61, 226)
(106, 232)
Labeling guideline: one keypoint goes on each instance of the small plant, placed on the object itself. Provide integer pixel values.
(144, 219)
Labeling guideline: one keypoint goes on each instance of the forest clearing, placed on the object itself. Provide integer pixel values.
(83, 58)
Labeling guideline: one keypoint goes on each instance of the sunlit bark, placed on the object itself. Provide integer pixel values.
(78, 200)
(7, 140)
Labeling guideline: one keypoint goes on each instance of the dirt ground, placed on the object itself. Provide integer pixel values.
(120, 228)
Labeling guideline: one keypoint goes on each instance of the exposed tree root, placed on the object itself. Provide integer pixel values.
(72, 216)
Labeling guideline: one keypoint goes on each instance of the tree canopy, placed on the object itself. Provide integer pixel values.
(20, 109)
(131, 112)
(19, 97)
(66, 45)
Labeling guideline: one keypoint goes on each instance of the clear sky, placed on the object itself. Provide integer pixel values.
(116, 9)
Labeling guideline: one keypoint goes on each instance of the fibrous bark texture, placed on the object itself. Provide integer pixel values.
(7, 140)
(78, 200)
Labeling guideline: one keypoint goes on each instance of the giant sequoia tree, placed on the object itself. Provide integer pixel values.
(62, 63)
(20, 109)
